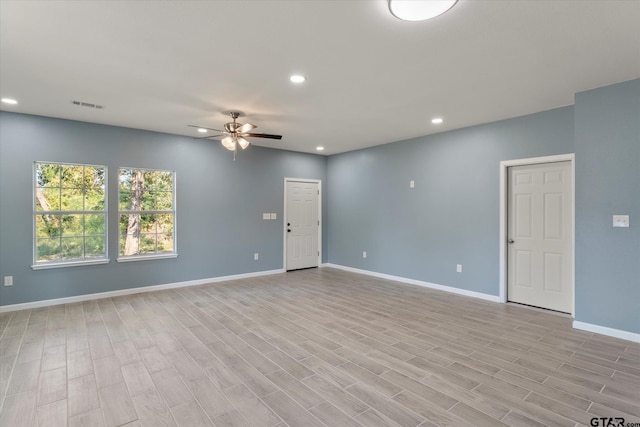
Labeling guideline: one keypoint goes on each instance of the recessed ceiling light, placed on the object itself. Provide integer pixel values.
(297, 78)
(9, 101)
(319, 148)
(202, 130)
(437, 120)
(419, 10)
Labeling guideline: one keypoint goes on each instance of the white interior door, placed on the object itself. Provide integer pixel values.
(540, 236)
(302, 224)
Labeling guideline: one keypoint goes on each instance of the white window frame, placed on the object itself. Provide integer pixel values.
(75, 262)
(166, 255)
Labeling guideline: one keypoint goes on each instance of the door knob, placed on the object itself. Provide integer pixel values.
(288, 231)
(511, 241)
(288, 224)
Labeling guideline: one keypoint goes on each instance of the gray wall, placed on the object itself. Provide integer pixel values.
(451, 216)
(607, 143)
(220, 204)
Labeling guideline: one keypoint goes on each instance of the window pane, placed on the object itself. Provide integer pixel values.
(94, 200)
(94, 247)
(130, 245)
(72, 248)
(165, 223)
(47, 226)
(47, 250)
(125, 200)
(72, 176)
(151, 179)
(47, 175)
(72, 199)
(148, 201)
(165, 242)
(164, 201)
(72, 225)
(94, 225)
(165, 181)
(148, 223)
(48, 199)
(124, 179)
(94, 178)
(147, 243)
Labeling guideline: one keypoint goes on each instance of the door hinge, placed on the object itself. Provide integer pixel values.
(318, 253)
(318, 192)
(318, 222)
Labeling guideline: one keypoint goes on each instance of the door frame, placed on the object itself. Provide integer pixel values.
(284, 219)
(504, 165)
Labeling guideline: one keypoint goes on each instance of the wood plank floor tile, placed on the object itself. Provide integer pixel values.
(171, 387)
(151, 409)
(332, 416)
(251, 408)
(318, 346)
(116, 404)
(52, 414)
(190, 414)
(52, 386)
(137, 378)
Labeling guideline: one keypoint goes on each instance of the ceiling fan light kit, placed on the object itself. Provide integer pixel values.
(235, 133)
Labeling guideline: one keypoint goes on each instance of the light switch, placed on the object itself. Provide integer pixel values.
(412, 184)
(621, 220)
(266, 216)
(274, 216)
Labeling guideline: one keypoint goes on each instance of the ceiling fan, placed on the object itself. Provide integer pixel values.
(236, 133)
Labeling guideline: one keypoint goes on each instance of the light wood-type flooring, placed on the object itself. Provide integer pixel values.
(308, 348)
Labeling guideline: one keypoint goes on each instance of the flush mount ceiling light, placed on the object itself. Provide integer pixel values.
(419, 10)
(9, 101)
(297, 78)
(437, 120)
(319, 148)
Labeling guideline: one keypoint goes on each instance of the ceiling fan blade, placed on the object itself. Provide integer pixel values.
(262, 135)
(202, 127)
(246, 128)
(210, 136)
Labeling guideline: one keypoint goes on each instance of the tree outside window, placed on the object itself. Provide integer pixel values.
(146, 212)
(69, 213)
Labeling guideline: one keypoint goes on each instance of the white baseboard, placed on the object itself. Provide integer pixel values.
(109, 294)
(603, 330)
(479, 295)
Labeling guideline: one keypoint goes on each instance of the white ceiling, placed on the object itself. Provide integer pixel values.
(372, 79)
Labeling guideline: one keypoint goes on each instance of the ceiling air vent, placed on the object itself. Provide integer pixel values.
(88, 105)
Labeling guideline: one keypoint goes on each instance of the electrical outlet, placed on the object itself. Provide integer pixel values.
(266, 216)
(621, 221)
(274, 216)
(364, 254)
(256, 256)
(412, 184)
(8, 280)
(458, 268)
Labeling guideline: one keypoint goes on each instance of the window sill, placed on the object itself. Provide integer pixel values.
(146, 257)
(69, 264)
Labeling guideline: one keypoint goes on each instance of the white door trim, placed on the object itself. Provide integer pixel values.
(504, 165)
(284, 219)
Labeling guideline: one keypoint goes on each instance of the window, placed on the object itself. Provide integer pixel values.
(70, 213)
(146, 214)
